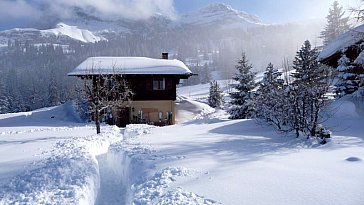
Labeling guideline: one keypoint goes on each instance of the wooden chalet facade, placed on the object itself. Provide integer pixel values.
(348, 46)
(152, 81)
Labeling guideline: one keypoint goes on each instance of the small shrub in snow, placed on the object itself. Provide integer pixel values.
(322, 132)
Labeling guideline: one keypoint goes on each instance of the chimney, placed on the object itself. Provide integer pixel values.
(165, 55)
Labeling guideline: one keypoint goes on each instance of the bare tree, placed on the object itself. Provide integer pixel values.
(105, 91)
(358, 11)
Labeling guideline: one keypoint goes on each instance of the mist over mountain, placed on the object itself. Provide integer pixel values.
(225, 22)
(209, 41)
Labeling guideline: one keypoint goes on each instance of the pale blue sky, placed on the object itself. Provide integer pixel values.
(19, 13)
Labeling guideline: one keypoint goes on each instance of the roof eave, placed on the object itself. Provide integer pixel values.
(134, 74)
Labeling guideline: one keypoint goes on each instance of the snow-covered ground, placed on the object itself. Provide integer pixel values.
(48, 157)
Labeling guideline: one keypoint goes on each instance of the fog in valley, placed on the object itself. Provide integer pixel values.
(34, 63)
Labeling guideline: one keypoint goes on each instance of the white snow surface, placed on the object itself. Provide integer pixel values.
(130, 65)
(48, 157)
(73, 32)
(343, 41)
(61, 29)
(222, 15)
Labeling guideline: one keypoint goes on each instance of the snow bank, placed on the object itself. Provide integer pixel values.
(156, 189)
(70, 175)
(136, 130)
(191, 111)
(144, 184)
(349, 107)
(58, 115)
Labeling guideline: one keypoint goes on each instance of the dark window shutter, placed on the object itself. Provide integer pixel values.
(149, 85)
(169, 84)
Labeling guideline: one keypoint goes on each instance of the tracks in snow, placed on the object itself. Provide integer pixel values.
(113, 184)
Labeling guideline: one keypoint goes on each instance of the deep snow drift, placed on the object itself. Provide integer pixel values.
(48, 157)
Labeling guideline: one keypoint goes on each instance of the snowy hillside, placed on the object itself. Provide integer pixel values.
(222, 15)
(60, 31)
(48, 157)
(73, 32)
(96, 29)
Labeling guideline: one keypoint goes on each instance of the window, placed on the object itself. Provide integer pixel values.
(159, 84)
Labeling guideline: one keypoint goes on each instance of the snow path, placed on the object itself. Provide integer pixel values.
(47, 157)
(112, 190)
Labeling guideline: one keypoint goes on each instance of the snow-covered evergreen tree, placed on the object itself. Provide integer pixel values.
(309, 88)
(4, 100)
(53, 96)
(242, 105)
(215, 99)
(348, 82)
(359, 73)
(205, 74)
(269, 103)
(336, 23)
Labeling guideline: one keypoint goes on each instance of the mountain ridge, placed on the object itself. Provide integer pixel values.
(89, 29)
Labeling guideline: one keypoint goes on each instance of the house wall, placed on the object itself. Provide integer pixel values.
(151, 111)
(147, 99)
(142, 87)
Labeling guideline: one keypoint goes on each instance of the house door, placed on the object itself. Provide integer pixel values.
(123, 117)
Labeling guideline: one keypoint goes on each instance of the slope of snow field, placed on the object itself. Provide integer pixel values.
(48, 157)
(73, 32)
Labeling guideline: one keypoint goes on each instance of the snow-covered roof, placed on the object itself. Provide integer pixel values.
(343, 41)
(130, 66)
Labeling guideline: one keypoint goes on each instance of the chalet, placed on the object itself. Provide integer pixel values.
(348, 48)
(153, 82)
(350, 44)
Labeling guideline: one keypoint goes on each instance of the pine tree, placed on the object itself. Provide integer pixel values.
(269, 103)
(215, 99)
(336, 23)
(53, 93)
(308, 88)
(4, 100)
(242, 105)
(204, 74)
(348, 82)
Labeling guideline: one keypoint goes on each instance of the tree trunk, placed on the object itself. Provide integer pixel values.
(315, 120)
(97, 121)
(95, 93)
